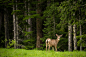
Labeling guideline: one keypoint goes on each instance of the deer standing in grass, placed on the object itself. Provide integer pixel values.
(52, 42)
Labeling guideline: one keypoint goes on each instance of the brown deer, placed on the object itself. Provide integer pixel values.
(52, 42)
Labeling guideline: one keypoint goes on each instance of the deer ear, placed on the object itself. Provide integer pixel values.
(56, 34)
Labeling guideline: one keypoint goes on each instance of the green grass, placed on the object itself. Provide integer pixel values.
(39, 53)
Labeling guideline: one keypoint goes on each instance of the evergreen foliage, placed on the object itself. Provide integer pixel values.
(54, 19)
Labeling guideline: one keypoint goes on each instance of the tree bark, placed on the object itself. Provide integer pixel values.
(17, 34)
(74, 37)
(0, 20)
(25, 14)
(29, 20)
(38, 26)
(69, 32)
(6, 26)
(80, 29)
(54, 25)
(14, 26)
(80, 38)
(69, 37)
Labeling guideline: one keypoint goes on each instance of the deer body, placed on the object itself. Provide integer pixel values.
(52, 42)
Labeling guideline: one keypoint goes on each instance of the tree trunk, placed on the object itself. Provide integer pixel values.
(25, 14)
(48, 3)
(17, 34)
(80, 38)
(14, 26)
(69, 32)
(80, 29)
(54, 25)
(29, 20)
(69, 37)
(38, 26)
(6, 26)
(74, 37)
(0, 20)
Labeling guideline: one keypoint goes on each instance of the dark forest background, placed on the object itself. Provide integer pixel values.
(28, 23)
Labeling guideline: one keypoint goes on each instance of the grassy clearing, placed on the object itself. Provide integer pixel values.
(38, 53)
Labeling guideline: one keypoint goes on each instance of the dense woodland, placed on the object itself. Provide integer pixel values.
(28, 23)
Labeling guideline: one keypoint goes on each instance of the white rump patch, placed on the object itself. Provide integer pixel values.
(48, 39)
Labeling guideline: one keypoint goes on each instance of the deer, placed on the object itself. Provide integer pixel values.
(52, 42)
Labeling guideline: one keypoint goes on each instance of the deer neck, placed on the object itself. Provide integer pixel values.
(57, 40)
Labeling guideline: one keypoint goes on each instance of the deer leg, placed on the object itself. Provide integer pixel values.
(56, 48)
(46, 46)
(53, 48)
(49, 47)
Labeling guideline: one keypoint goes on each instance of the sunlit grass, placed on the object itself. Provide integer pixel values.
(39, 53)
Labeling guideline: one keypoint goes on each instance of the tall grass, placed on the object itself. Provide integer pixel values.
(39, 53)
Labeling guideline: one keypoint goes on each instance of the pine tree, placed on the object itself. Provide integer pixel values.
(38, 25)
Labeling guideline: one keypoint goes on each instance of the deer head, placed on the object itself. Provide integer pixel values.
(58, 36)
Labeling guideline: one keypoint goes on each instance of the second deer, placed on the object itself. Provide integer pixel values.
(52, 42)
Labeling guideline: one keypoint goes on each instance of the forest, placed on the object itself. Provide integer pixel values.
(26, 24)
